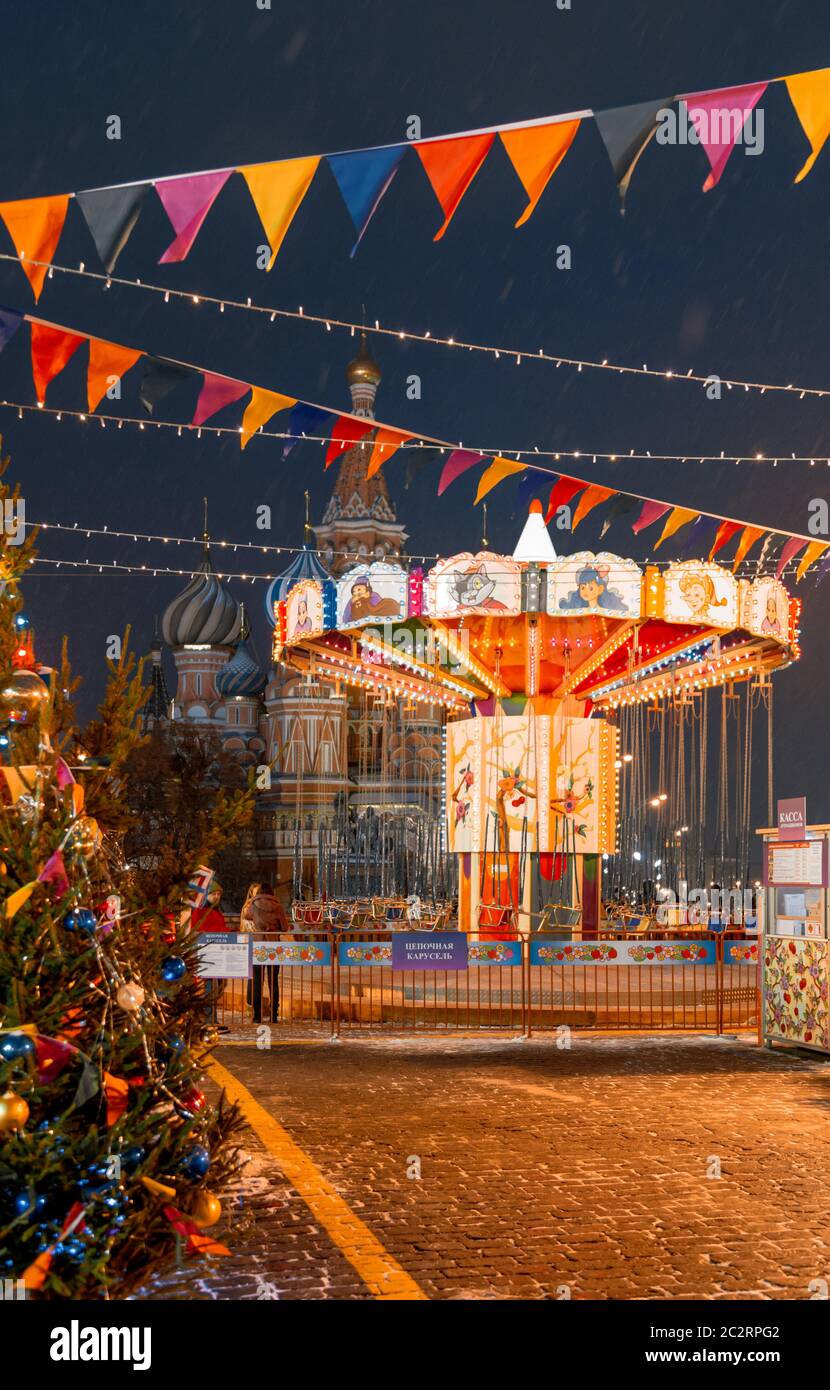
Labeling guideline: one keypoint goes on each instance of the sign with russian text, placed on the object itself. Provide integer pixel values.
(224, 955)
(420, 951)
(792, 818)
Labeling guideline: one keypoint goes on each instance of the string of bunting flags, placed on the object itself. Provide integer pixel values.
(509, 354)
(535, 149)
(53, 346)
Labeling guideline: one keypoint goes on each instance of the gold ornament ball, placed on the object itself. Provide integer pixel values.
(206, 1209)
(86, 834)
(209, 1036)
(130, 998)
(14, 1112)
(22, 697)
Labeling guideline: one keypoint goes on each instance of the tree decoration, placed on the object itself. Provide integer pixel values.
(173, 969)
(99, 1068)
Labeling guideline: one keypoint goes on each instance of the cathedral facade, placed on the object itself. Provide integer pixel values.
(317, 754)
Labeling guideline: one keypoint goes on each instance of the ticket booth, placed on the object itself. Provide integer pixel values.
(796, 956)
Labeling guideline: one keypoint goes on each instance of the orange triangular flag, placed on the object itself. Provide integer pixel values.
(277, 191)
(117, 1092)
(536, 153)
(810, 95)
(108, 362)
(811, 554)
(591, 497)
(499, 469)
(386, 442)
(262, 405)
(750, 536)
(51, 350)
(451, 166)
(35, 226)
(15, 900)
(678, 516)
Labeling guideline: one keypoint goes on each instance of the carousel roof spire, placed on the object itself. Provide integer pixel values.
(535, 542)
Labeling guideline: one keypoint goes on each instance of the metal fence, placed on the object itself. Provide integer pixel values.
(342, 984)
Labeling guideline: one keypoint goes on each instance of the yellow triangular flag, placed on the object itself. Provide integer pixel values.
(19, 780)
(536, 153)
(277, 191)
(262, 405)
(751, 534)
(811, 554)
(676, 518)
(499, 469)
(810, 95)
(16, 900)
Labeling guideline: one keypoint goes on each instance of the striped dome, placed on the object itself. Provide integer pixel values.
(305, 565)
(204, 614)
(242, 676)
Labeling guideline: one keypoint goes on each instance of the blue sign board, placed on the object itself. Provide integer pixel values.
(421, 951)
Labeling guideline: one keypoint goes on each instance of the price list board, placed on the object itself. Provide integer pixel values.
(795, 864)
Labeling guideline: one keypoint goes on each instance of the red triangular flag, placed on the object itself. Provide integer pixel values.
(345, 433)
(651, 512)
(726, 531)
(51, 350)
(561, 494)
(451, 166)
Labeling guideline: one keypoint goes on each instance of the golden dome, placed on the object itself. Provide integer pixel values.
(363, 367)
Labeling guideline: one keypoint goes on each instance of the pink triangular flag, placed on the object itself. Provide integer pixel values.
(216, 393)
(54, 872)
(457, 463)
(652, 511)
(719, 119)
(187, 203)
(791, 549)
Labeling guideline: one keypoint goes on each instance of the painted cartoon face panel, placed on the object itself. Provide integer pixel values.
(304, 611)
(482, 583)
(370, 592)
(530, 783)
(766, 609)
(588, 583)
(699, 592)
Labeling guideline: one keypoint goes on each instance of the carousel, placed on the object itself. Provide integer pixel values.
(597, 714)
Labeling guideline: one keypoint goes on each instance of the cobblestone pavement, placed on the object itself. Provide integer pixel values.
(588, 1173)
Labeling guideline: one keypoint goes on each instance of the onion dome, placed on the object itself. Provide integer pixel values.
(243, 674)
(305, 565)
(363, 369)
(205, 614)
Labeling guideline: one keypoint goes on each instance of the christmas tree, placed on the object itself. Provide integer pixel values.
(110, 1153)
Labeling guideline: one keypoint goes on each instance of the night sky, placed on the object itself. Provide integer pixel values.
(734, 281)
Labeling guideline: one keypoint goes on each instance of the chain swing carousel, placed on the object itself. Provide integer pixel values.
(574, 697)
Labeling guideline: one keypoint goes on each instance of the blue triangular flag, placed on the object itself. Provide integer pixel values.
(363, 177)
(10, 321)
(305, 419)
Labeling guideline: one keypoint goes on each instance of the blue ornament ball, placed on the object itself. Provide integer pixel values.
(80, 919)
(14, 1045)
(173, 968)
(195, 1162)
(23, 1203)
(21, 622)
(133, 1157)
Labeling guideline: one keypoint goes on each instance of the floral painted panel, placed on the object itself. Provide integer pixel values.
(796, 990)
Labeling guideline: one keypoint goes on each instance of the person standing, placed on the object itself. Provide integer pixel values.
(266, 914)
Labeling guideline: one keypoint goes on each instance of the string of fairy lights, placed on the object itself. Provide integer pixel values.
(423, 443)
(427, 337)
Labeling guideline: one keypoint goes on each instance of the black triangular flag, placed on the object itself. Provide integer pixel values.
(111, 214)
(160, 376)
(625, 131)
